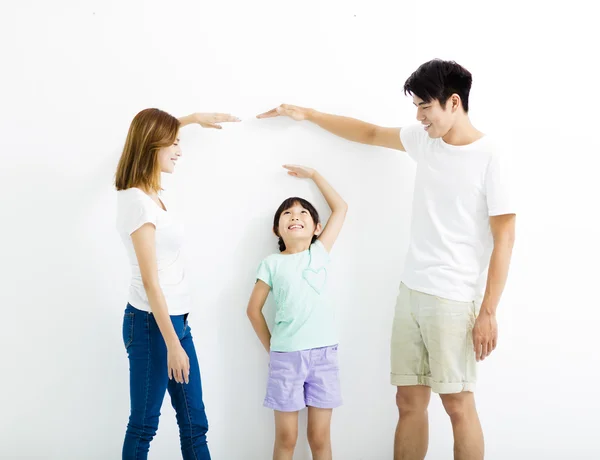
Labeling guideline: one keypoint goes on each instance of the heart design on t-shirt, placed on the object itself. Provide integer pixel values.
(315, 278)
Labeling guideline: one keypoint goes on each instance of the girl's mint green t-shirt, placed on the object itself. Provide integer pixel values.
(304, 317)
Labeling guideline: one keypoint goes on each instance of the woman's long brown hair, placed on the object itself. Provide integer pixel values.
(150, 130)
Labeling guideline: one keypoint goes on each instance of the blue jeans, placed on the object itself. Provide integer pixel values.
(148, 382)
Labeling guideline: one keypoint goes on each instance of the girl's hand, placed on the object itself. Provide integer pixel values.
(178, 364)
(212, 120)
(300, 171)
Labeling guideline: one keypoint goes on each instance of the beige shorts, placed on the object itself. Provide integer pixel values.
(432, 342)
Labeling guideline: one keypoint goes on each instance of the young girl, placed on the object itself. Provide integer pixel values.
(155, 329)
(303, 346)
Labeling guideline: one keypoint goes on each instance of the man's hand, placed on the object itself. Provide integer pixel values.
(292, 111)
(485, 334)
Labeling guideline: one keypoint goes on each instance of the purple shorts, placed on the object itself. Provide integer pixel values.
(304, 378)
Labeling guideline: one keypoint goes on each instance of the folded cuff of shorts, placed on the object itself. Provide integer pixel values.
(437, 387)
(289, 407)
(324, 405)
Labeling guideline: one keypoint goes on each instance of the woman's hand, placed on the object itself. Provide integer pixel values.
(212, 120)
(178, 364)
(207, 120)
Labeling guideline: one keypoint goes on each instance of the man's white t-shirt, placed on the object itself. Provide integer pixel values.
(135, 209)
(457, 189)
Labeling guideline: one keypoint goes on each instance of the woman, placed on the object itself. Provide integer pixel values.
(155, 329)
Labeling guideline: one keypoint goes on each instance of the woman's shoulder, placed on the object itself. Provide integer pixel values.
(130, 192)
(133, 201)
(132, 196)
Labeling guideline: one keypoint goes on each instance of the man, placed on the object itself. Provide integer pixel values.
(463, 223)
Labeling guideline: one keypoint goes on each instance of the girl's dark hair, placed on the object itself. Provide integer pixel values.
(287, 204)
(439, 80)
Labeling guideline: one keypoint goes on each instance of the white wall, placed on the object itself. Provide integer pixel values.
(76, 72)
